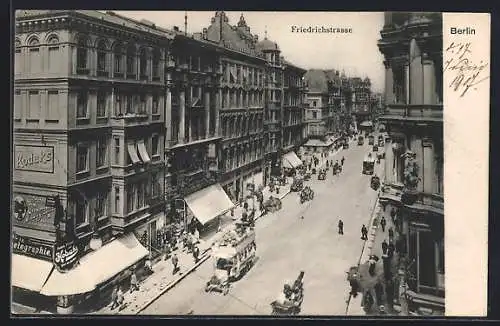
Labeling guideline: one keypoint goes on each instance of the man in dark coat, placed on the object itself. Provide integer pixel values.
(341, 227)
(383, 223)
(384, 247)
(364, 233)
(390, 249)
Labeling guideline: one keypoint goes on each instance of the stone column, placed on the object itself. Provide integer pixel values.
(207, 114)
(389, 163)
(389, 83)
(407, 83)
(429, 80)
(182, 116)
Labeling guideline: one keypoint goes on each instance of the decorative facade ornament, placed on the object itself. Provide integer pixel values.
(411, 171)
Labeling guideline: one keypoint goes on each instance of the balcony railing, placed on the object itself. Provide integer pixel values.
(414, 112)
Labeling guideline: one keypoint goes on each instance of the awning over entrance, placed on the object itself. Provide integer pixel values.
(291, 160)
(96, 267)
(30, 273)
(209, 203)
(141, 146)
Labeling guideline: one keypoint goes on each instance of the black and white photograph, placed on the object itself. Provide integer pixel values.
(175, 163)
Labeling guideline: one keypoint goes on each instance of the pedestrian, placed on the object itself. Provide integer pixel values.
(196, 253)
(390, 249)
(384, 247)
(114, 298)
(364, 233)
(175, 262)
(166, 250)
(383, 223)
(341, 227)
(342, 161)
(134, 284)
(119, 296)
(391, 234)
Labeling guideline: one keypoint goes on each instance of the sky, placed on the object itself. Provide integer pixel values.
(356, 53)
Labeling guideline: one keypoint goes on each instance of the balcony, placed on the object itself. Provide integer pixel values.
(415, 113)
(129, 119)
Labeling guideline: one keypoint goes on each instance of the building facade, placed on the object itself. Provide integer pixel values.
(88, 141)
(361, 100)
(413, 189)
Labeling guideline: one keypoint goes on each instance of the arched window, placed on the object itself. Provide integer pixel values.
(53, 53)
(156, 64)
(118, 60)
(35, 61)
(143, 63)
(102, 58)
(82, 60)
(131, 61)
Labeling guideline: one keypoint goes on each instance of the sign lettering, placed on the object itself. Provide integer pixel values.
(32, 209)
(32, 248)
(34, 158)
(65, 256)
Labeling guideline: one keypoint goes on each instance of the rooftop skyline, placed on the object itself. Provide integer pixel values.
(346, 52)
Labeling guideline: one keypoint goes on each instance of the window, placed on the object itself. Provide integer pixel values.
(17, 105)
(140, 195)
(130, 198)
(82, 154)
(34, 105)
(18, 57)
(117, 200)
(101, 104)
(118, 54)
(100, 204)
(131, 72)
(53, 105)
(82, 56)
(35, 60)
(143, 64)
(102, 67)
(142, 104)
(101, 149)
(315, 115)
(155, 184)
(156, 64)
(155, 105)
(155, 142)
(81, 212)
(118, 104)
(116, 146)
(440, 254)
(129, 103)
(81, 105)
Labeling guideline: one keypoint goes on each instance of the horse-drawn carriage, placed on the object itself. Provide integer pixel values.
(375, 182)
(306, 194)
(322, 175)
(293, 297)
(297, 184)
(272, 205)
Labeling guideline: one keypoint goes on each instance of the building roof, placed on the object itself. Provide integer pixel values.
(317, 81)
(268, 45)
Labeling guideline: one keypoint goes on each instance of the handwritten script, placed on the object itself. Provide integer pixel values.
(467, 73)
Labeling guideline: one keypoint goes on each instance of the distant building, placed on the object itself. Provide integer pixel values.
(412, 47)
(361, 100)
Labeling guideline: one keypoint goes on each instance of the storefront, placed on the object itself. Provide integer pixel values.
(207, 205)
(290, 162)
(318, 146)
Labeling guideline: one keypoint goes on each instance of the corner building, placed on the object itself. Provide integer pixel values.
(412, 47)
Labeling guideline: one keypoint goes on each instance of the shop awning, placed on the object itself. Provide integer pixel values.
(208, 203)
(96, 267)
(317, 143)
(143, 151)
(132, 152)
(30, 273)
(291, 160)
(366, 124)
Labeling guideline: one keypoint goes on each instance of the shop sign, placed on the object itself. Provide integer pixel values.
(65, 256)
(34, 158)
(32, 209)
(31, 247)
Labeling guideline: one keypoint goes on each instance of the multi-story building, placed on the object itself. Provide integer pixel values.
(413, 188)
(88, 150)
(361, 101)
(294, 127)
(345, 103)
(334, 83)
(317, 110)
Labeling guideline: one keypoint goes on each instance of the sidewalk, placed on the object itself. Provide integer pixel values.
(162, 279)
